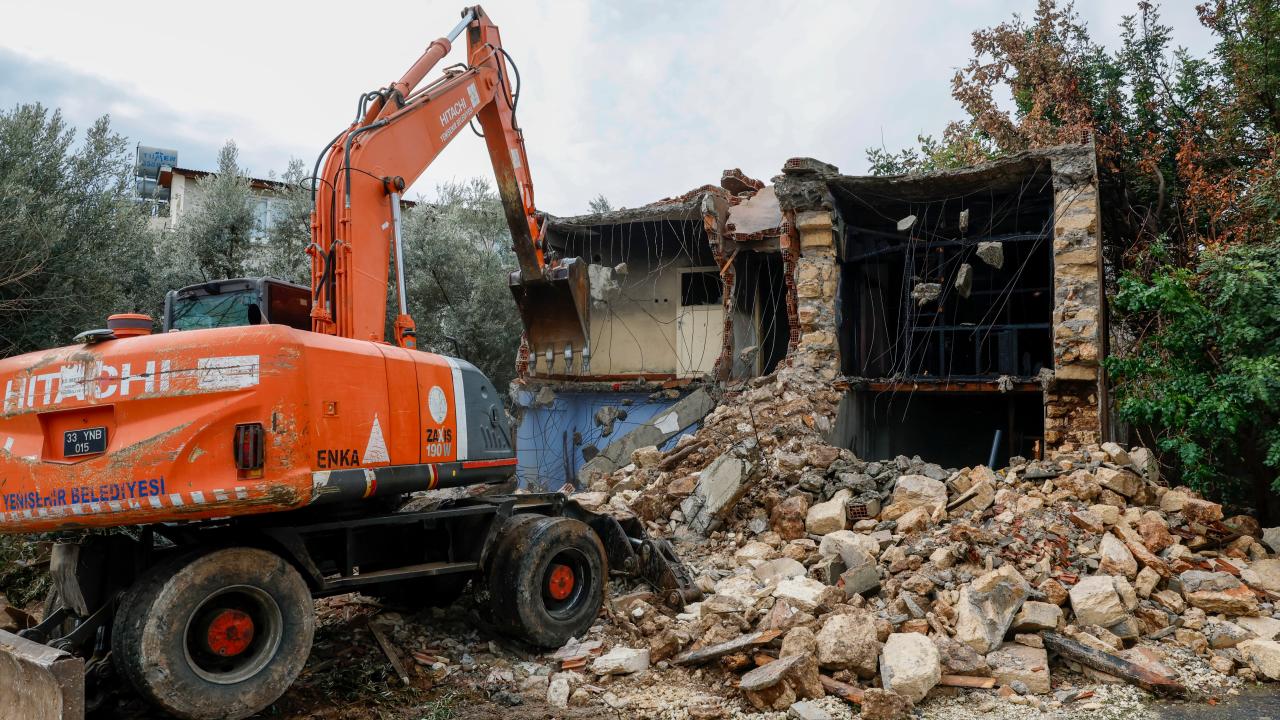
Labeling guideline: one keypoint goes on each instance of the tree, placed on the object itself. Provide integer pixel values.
(284, 254)
(600, 204)
(457, 256)
(215, 238)
(73, 245)
(1204, 382)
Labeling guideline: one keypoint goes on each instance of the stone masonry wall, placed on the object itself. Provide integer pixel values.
(816, 278)
(1073, 406)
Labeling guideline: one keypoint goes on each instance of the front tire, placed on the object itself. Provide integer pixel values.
(212, 636)
(546, 579)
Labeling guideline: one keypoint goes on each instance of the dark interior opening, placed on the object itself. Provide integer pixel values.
(760, 310)
(648, 243)
(902, 312)
(952, 429)
(701, 288)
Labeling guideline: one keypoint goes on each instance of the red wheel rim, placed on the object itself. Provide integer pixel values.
(560, 582)
(230, 633)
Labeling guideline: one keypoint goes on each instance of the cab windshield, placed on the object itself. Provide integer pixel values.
(233, 309)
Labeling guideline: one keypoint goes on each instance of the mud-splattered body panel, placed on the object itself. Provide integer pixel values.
(169, 406)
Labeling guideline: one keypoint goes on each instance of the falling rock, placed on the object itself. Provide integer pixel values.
(1263, 656)
(987, 607)
(788, 517)
(910, 665)
(879, 704)
(991, 253)
(1035, 616)
(964, 280)
(1124, 482)
(924, 293)
(720, 485)
(958, 658)
(913, 491)
(1264, 574)
(1217, 592)
(1201, 511)
(827, 517)
(1015, 662)
(848, 642)
(852, 547)
(1116, 558)
(804, 677)
(1095, 601)
(621, 661)
(778, 570)
(807, 710)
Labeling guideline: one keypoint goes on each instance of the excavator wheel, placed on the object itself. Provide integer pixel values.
(214, 635)
(546, 579)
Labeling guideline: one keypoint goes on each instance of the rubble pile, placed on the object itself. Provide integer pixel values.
(882, 583)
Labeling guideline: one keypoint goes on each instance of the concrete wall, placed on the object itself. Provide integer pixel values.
(633, 328)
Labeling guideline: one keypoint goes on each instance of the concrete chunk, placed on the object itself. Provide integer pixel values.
(987, 608)
(621, 661)
(719, 486)
(1095, 601)
(910, 665)
(1014, 662)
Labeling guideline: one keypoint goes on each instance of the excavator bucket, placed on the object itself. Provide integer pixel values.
(554, 310)
(38, 682)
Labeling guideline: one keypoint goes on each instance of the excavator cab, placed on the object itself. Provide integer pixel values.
(238, 302)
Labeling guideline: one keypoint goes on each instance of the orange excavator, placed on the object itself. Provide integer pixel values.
(259, 452)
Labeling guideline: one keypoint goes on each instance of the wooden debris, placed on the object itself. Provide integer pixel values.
(671, 461)
(390, 652)
(738, 644)
(844, 691)
(1112, 665)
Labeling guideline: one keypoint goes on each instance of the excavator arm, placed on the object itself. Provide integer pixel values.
(398, 132)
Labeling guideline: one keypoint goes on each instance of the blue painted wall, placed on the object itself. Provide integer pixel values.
(545, 450)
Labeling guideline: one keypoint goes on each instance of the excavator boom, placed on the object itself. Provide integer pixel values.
(399, 132)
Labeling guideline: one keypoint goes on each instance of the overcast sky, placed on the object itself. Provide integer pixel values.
(637, 100)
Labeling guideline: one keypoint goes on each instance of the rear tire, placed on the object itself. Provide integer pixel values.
(546, 579)
(214, 636)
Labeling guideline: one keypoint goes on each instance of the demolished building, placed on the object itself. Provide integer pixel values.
(959, 313)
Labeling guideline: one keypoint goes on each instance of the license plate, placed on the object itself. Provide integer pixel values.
(86, 441)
